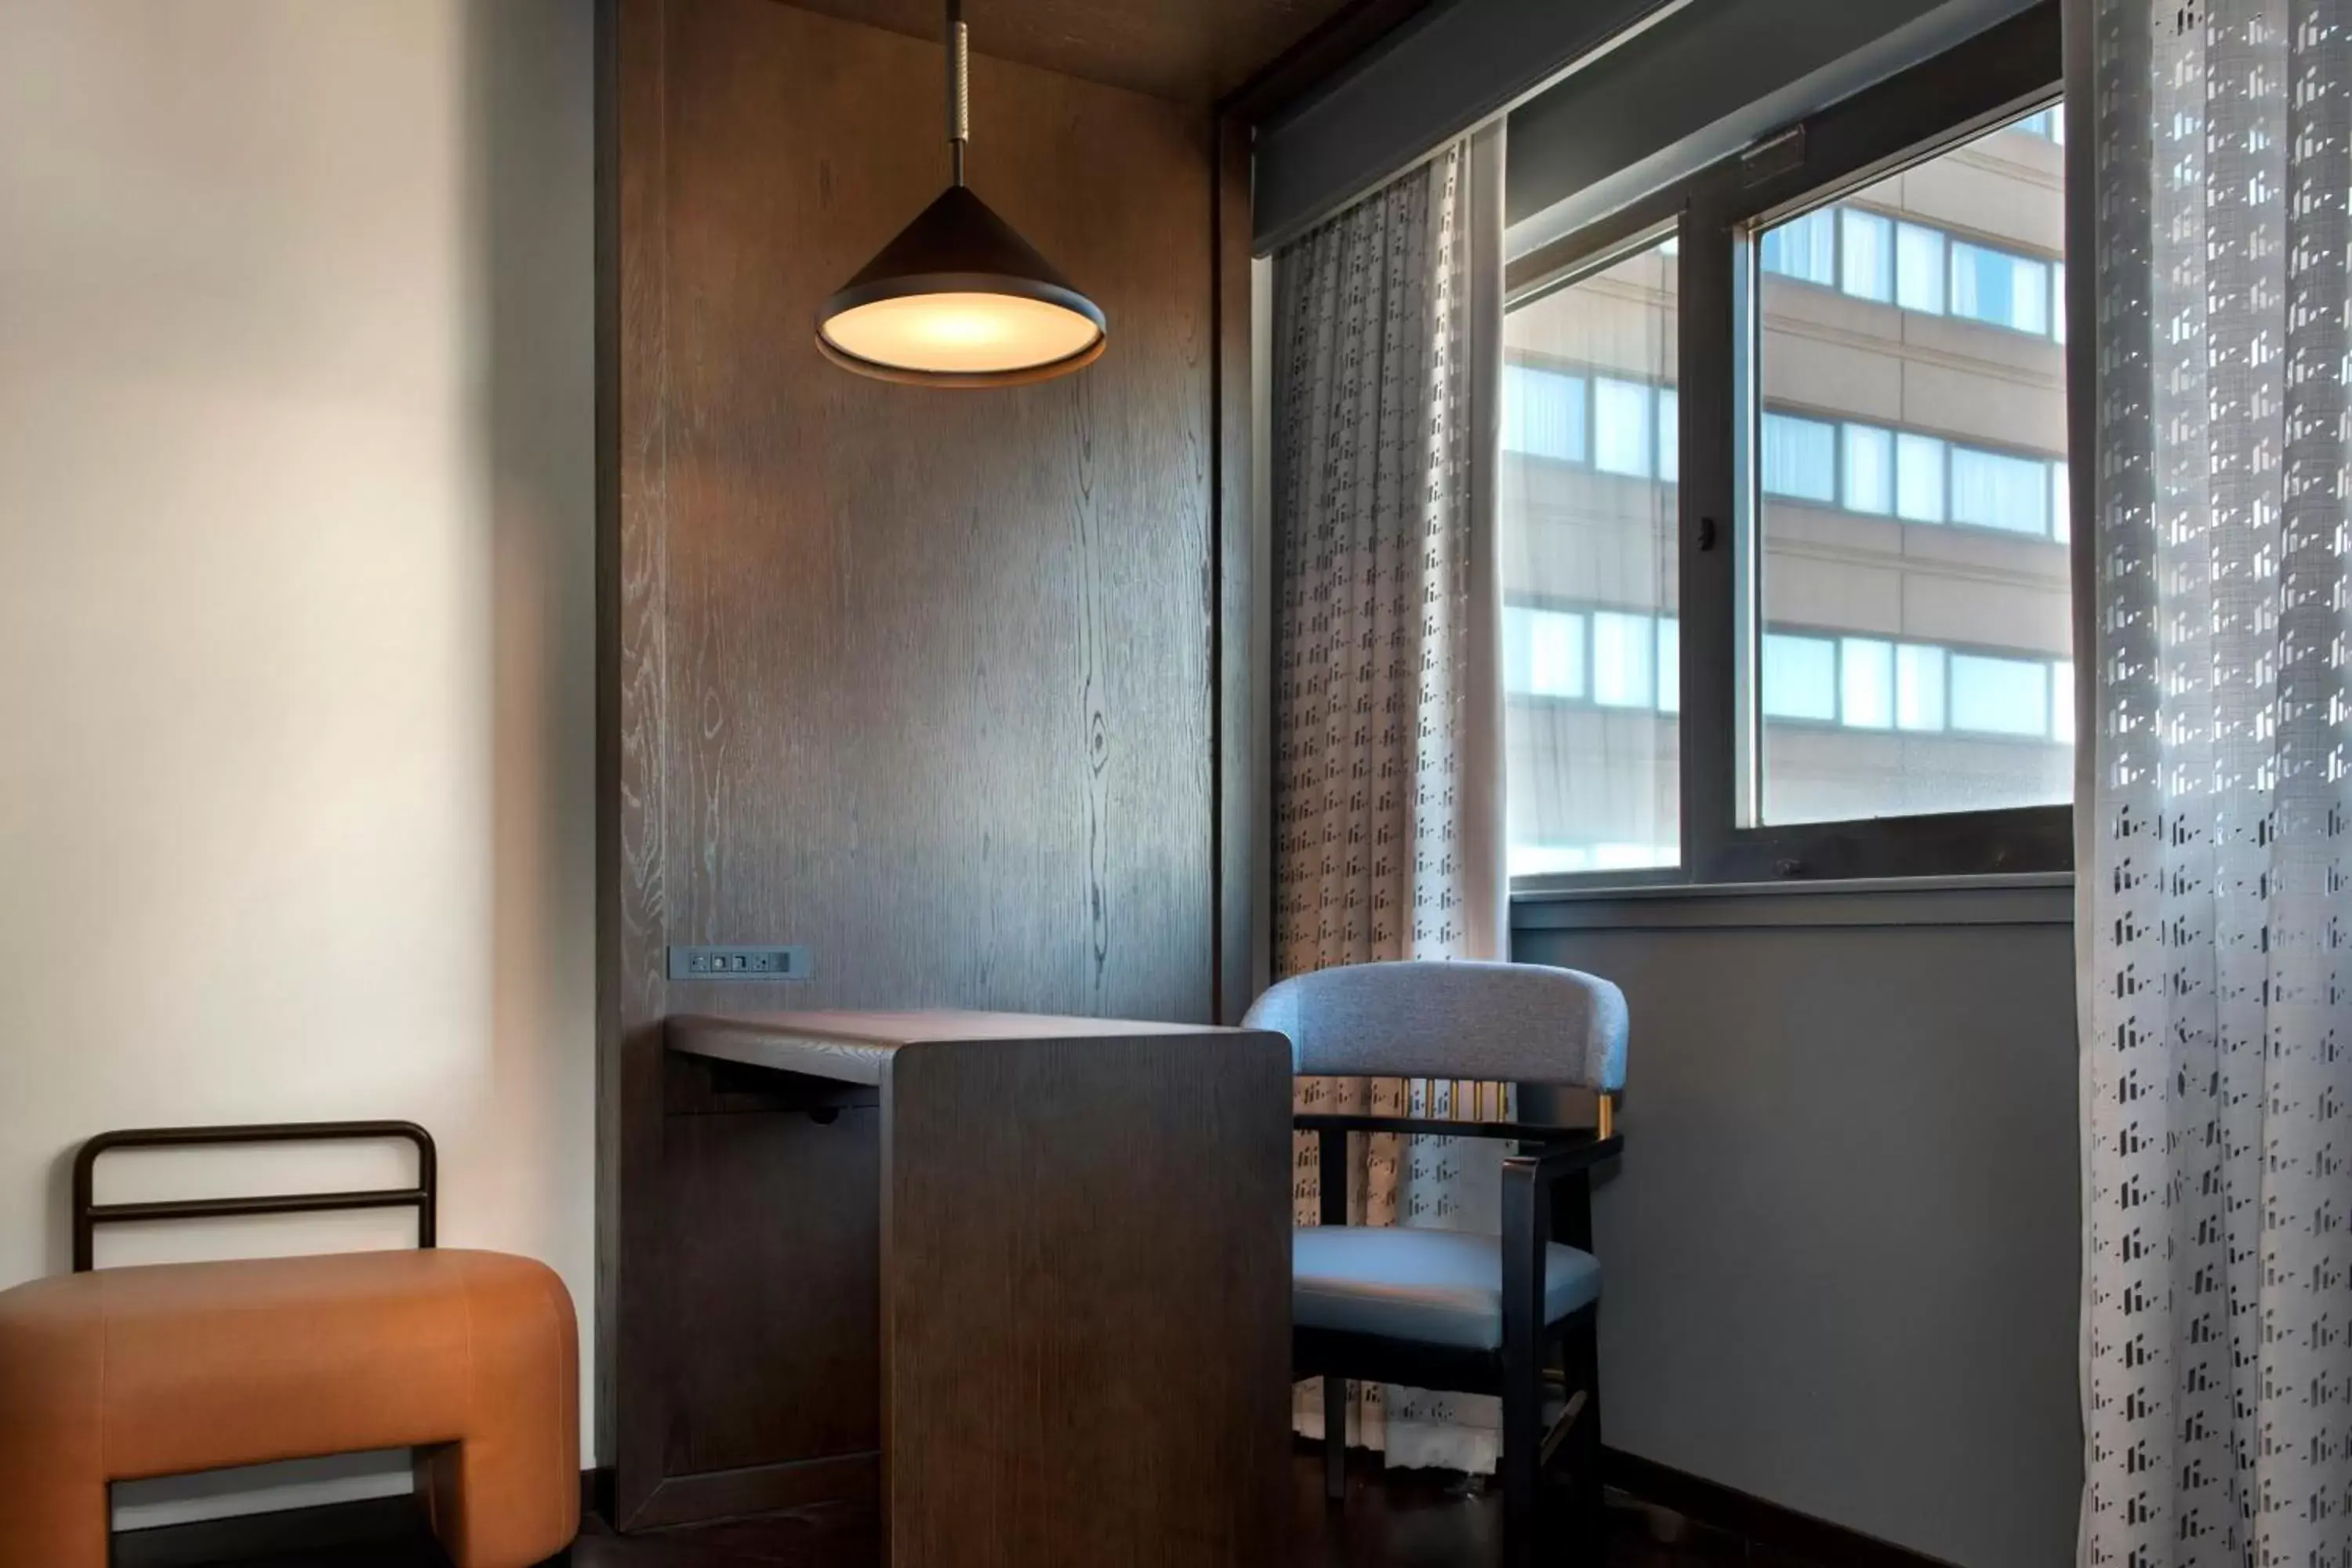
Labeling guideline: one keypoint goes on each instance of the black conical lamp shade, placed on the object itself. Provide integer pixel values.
(958, 299)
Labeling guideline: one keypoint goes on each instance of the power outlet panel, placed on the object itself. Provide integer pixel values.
(739, 963)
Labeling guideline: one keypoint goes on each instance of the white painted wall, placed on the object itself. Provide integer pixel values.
(295, 600)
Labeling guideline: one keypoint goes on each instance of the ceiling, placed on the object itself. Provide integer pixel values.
(1194, 51)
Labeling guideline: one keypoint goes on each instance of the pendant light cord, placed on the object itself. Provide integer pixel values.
(958, 89)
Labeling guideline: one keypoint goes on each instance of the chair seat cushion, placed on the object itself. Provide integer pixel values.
(1434, 1287)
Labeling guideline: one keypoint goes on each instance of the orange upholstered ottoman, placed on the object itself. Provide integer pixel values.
(470, 1357)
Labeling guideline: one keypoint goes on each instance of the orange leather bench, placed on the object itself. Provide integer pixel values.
(470, 1358)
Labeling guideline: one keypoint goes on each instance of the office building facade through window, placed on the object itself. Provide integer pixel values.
(1907, 454)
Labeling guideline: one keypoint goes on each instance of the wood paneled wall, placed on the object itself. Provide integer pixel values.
(923, 679)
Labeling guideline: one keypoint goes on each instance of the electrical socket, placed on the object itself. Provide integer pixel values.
(739, 963)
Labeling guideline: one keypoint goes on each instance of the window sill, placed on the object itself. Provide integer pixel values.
(2034, 899)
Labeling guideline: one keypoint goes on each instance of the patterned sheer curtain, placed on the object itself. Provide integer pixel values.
(1388, 702)
(2215, 923)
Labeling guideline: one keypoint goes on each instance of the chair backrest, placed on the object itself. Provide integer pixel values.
(1523, 1022)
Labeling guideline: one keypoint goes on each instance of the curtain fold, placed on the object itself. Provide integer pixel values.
(2218, 1051)
(1388, 809)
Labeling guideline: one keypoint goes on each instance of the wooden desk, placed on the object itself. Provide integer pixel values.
(1083, 1266)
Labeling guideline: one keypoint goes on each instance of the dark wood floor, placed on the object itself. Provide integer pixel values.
(1399, 1520)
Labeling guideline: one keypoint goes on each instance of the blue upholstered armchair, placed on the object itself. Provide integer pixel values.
(1446, 1309)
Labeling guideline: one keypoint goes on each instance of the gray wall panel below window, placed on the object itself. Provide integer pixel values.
(1841, 1251)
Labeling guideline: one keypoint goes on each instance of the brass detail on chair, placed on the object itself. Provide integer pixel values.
(1605, 1114)
(1565, 1424)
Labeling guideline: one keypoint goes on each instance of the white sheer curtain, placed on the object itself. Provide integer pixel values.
(1388, 809)
(2217, 929)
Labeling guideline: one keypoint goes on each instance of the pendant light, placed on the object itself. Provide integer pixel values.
(958, 299)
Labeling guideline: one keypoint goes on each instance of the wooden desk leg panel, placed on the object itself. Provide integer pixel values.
(1085, 1299)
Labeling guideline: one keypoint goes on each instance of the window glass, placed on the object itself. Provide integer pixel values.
(1918, 686)
(1543, 652)
(2061, 527)
(1543, 412)
(1918, 478)
(1869, 468)
(1624, 660)
(1919, 267)
(1902, 670)
(1800, 458)
(1670, 435)
(1865, 683)
(1804, 247)
(1670, 665)
(1518, 648)
(1555, 653)
(1589, 557)
(1994, 490)
(2062, 701)
(1994, 286)
(1996, 695)
(1868, 254)
(2050, 125)
(1800, 677)
(1621, 427)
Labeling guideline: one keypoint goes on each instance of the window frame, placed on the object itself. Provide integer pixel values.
(1716, 217)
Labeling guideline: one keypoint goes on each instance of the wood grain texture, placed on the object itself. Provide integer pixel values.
(632, 715)
(786, 1305)
(938, 670)
(1087, 1302)
(856, 1047)
(795, 1489)
(1242, 680)
(778, 1050)
(1193, 51)
(1349, 34)
(920, 678)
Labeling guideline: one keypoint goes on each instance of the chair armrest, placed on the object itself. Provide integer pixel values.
(1555, 1162)
(1548, 1156)
(1534, 1212)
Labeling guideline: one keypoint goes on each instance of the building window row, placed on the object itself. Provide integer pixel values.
(1611, 658)
(1886, 472)
(1915, 266)
(1618, 424)
(1633, 660)
(1916, 688)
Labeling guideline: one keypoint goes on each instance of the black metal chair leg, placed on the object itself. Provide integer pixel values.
(1522, 1468)
(1526, 1226)
(1335, 1438)
(1590, 1488)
